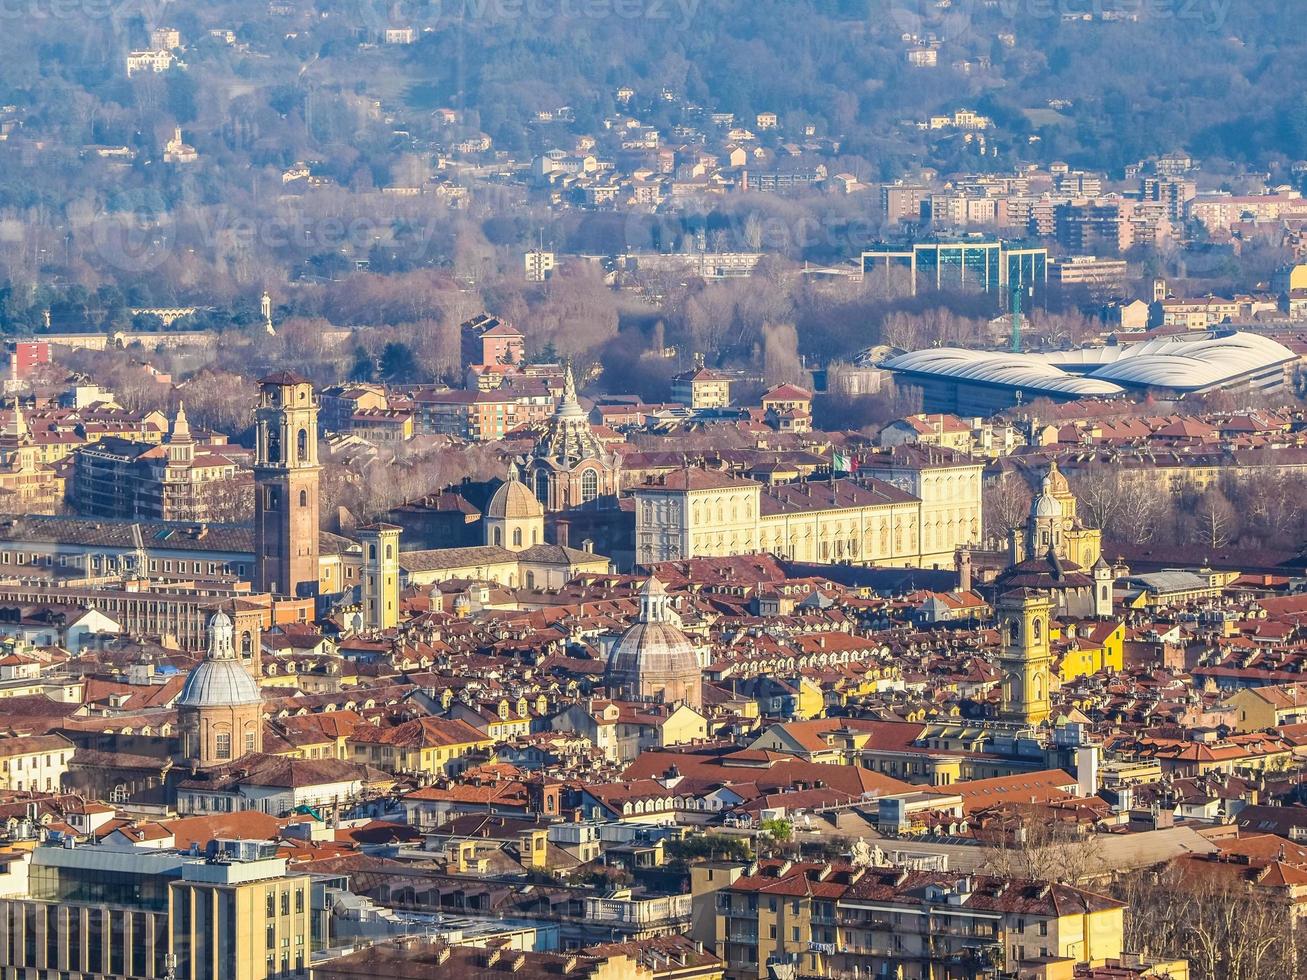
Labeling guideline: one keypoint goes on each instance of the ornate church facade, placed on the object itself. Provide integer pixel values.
(570, 466)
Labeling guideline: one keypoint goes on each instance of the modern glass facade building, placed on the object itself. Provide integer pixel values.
(966, 264)
(104, 911)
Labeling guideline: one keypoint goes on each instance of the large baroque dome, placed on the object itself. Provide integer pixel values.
(654, 660)
(219, 680)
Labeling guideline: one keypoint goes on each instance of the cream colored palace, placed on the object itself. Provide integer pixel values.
(698, 513)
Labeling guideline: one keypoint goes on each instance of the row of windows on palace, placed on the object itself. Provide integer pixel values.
(120, 563)
(667, 512)
(839, 539)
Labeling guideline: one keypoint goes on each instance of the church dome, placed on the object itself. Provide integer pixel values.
(513, 501)
(220, 680)
(654, 660)
(1046, 505)
(568, 438)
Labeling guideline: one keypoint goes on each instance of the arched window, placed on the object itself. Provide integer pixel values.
(498, 537)
(304, 498)
(372, 552)
(247, 644)
(589, 485)
(390, 551)
(302, 446)
(1038, 629)
(517, 537)
(542, 487)
(1013, 630)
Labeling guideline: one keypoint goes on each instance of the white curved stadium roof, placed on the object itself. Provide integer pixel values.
(1182, 363)
(1008, 370)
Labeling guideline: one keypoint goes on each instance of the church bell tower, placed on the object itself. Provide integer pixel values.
(1024, 657)
(286, 486)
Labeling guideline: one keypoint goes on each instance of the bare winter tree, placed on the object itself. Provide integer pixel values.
(227, 501)
(1046, 851)
(1006, 503)
(1214, 520)
(1141, 516)
(1098, 490)
(1226, 928)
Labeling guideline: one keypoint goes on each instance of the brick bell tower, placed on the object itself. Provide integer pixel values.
(286, 486)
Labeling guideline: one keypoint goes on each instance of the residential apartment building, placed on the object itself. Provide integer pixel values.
(382, 426)
(964, 211)
(902, 202)
(1218, 212)
(1174, 192)
(487, 339)
(1199, 314)
(1110, 225)
(947, 431)
(439, 746)
(844, 919)
(1102, 275)
(339, 403)
(119, 478)
(477, 416)
(702, 388)
(34, 763)
(1078, 183)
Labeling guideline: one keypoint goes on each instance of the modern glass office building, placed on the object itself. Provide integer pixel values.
(965, 264)
(101, 911)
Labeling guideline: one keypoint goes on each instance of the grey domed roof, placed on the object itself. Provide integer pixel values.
(1046, 505)
(220, 679)
(653, 650)
(218, 683)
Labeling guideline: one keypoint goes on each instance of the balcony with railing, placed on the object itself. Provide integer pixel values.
(643, 912)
